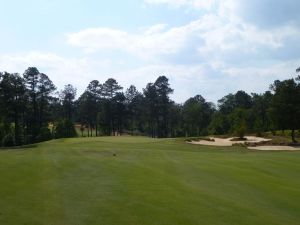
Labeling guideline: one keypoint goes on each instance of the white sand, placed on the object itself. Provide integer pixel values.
(227, 142)
(275, 148)
(251, 139)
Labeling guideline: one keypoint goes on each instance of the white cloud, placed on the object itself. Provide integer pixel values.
(187, 80)
(231, 53)
(203, 4)
(227, 53)
(244, 38)
(190, 80)
(100, 38)
(156, 29)
(61, 71)
(213, 36)
(151, 42)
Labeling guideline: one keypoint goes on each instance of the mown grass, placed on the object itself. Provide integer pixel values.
(80, 181)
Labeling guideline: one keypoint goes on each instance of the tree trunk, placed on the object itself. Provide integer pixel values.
(17, 142)
(293, 136)
(131, 122)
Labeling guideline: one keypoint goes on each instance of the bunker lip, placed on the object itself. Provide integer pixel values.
(259, 143)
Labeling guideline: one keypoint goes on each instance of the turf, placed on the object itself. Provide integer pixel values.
(125, 180)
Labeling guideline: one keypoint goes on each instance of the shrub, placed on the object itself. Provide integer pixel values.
(240, 130)
(44, 134)
(65, 129)
(8, 140)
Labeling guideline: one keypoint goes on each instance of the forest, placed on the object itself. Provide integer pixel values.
(33, 110)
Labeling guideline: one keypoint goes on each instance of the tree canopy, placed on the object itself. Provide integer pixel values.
(31, 110)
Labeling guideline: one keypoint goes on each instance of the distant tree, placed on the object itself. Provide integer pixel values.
(151, 109)
(197, 115)
(95, 89)
(132, 103)
(39, 89)
(243, 100)
(88, 106)
(131, 93)
(231, 101)
(220, 123)
(6, 131)
(31, 78)
(110, 88)
(67, 97)
(119, 113)
(87, 111)
(65, 127)
(286, 105)
(260, 112)
(29, 108)
(227, 104)
(175, 120)
(228, 107)
(55, 111)
(12, 90)
(238, 119)
(163, 90)
(44, 98)
(104, 117)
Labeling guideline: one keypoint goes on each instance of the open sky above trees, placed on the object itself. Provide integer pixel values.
(207, 47)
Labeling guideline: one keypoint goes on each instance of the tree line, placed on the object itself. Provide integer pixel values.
(32, 110)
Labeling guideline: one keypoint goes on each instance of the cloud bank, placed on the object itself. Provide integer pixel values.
(231, 45)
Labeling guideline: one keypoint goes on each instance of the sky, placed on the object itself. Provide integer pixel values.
(206, 47)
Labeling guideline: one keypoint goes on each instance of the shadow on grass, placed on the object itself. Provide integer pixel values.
(21, 147)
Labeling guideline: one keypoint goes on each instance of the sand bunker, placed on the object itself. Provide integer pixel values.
(275, 148)
(228, 142)
(250, 139)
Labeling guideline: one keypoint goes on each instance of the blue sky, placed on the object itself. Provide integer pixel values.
(207, 47)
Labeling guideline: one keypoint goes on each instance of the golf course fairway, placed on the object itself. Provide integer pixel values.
(143, 181)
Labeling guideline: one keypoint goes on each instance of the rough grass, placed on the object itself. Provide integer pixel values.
(80, 181)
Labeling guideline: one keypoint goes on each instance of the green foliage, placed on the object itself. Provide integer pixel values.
(258, 128)
(239, 118)
(197, 115)
(7, 137)
(286, 104)
(220, 124)
(44, 134)
(68, 96)
(240, 130)
(8, 140)
(65, 129)
(156, 107)
(260, 113)
(28, 104)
